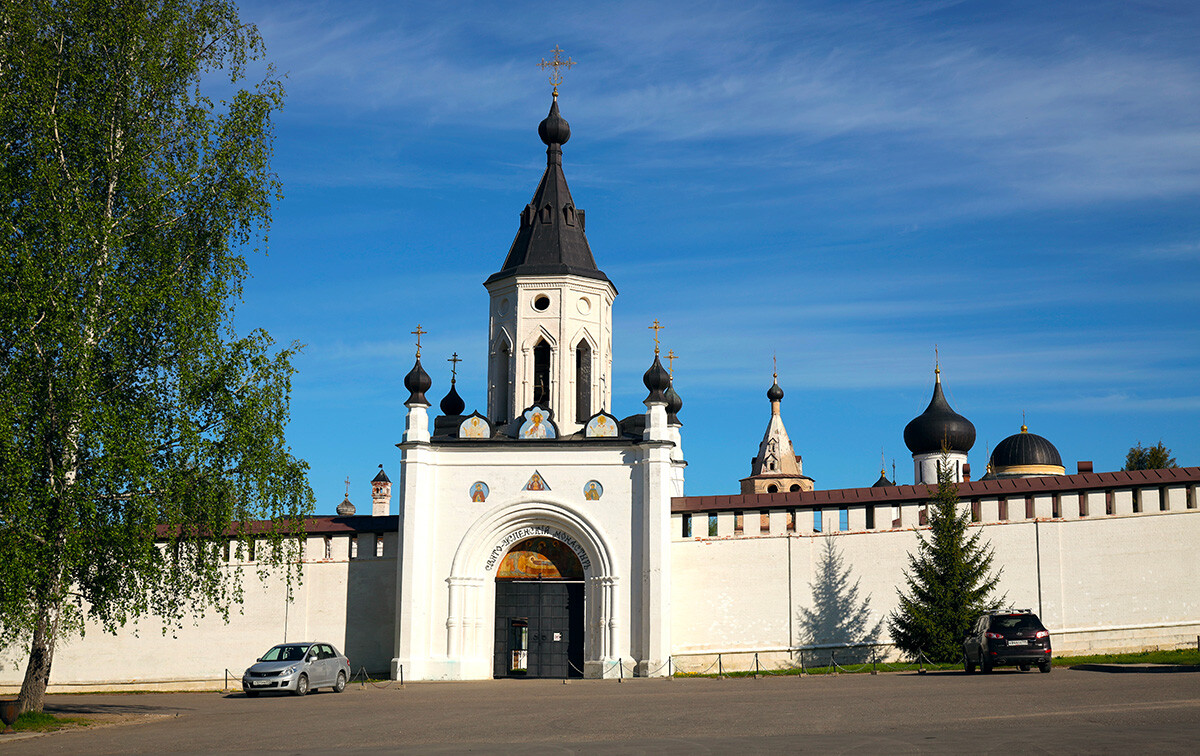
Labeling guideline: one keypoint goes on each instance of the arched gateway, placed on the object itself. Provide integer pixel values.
(540, 575)
(539, 611)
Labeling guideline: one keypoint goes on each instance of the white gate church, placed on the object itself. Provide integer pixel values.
(534, 541)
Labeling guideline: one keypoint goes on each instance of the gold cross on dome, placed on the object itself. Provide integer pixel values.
(556, 63)
(671, 357)
(347, 486)
(656, 328)
(774, 366)
(418, 333)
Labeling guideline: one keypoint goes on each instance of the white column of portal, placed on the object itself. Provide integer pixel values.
(454, 619)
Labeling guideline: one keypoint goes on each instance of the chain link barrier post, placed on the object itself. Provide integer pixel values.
(720, 668)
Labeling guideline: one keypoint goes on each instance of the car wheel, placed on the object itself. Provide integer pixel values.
(340, 685)
(968, 665)
(251, 694)
(985, 665)
(1044, 668)
(1023, 667)
(302, 684)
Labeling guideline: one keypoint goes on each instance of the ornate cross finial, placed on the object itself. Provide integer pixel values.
(775, 367)
(671, 357)
(454, 366)
(656, 328)
(1024, 427)
(418, 333)
(347, 486)
(556, 63)
(883, 463)
(937, 362)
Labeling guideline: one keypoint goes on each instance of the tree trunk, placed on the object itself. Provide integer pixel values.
(41, 654)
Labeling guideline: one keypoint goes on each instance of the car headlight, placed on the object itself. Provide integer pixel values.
(291, 670)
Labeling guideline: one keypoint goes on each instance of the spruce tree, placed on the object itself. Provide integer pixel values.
(949, 580)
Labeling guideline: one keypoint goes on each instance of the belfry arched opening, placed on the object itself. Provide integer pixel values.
(539, 611)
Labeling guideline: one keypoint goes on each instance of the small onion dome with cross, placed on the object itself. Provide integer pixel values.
(674, 404)
(1025, 454)
(417, 382)
(938, 425)
(452, 404)
(657, 380)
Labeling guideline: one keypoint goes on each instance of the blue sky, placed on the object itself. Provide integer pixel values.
(843, 184)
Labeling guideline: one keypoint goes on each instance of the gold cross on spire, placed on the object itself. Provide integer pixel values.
(556, 63)
(656, 328)
(418, 333)
(775, 367)
(454, 366)
(347, 486)
(937, 361)
(671, 357)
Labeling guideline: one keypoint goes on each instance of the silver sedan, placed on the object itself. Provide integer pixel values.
(297, 668)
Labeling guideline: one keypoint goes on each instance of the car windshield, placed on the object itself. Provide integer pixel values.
(285, 653)
(1016, 622)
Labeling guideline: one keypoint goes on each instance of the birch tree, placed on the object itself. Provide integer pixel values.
(139, 429)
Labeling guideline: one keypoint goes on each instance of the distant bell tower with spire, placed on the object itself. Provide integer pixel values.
(550, 320)
(776, 468)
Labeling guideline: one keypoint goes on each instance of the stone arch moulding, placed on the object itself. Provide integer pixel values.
(583, 335)
(503, 338)
(470, 619)
(541, 334)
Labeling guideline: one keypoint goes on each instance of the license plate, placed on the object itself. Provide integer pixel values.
(1018, 643)
(260, 683)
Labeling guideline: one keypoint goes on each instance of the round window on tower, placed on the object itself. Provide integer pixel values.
(585, 305)
(541, 303)
(502, 308)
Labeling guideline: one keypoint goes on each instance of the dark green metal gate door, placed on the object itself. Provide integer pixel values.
(539, 629)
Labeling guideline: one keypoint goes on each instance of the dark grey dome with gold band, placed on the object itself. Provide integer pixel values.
(938, 425)
(1025, 453)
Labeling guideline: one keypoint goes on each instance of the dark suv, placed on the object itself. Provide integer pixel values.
(1007, 638)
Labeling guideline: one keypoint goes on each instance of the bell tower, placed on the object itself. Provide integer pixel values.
(550, 319)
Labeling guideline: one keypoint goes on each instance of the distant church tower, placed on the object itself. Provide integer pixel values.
(550, 330)
(777, 467)
(937, 427)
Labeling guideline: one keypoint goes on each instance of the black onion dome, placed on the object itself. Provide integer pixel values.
(939, 424)
(417, 382)
(883, 481)
(1022, 449)
(674, 404)
(554, 129)
(452, 403)
(775, 393)
(657, 380)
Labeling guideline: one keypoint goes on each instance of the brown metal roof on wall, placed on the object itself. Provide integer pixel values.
(974, 489)
(320, 525)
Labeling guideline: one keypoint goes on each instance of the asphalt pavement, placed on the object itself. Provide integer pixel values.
(1067, 711)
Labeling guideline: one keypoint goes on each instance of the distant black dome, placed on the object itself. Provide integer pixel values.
(452, 403)
(883, 481)
(939, 424)
(417, 382)
(345, 509)
(554, 129)
(1024, 448)
(674, 404)
(657, 380)
(775, 393)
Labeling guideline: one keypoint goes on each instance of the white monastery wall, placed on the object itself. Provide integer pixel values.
(1110, 583)
(347, 602)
